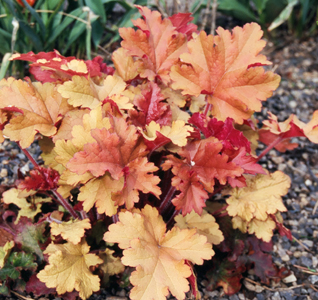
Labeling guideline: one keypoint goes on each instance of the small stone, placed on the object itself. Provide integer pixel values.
(276, 296)
(289, 279)
(305, 261)
(234, 297)
(297, 254)
(241, 296)
(3, 173)
(308, 182)
(314, 261)
(281, 167)
(304, 202)
(260, 297)
(313, 279)
(293, 104)
(212, 294)
(287, 295)
(308, 243)
(278, 159)
(315, 296)
(285, 257)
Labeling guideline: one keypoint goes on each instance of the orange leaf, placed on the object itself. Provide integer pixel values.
(284, 131)
(227, 68)
(139, 178)
(156, 43)
(37, 108)
(201, 163)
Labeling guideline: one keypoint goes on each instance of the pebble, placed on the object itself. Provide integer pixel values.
(308, 243)
(3, 173)
(289, 279)
(276, 296)
(305, 261)
(287, 295)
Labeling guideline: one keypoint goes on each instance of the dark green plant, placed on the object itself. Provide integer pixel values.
(73, 27)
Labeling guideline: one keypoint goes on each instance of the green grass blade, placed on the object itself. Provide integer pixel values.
(284, 15)
(4, 65)
(67, 20)
(36, 16)
(97, 8)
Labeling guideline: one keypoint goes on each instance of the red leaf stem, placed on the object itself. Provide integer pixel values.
(207, 108)
(270, 147)
(58, 196)
(166, 201)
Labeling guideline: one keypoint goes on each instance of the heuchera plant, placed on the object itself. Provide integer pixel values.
(150, 168)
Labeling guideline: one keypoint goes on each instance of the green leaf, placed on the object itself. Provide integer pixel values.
(260, 5)
(70, 18)
(22, 260)
(284, 15)
(237, 9)
(36, 16)
(4, 289)
(8, 271)
(97, 7)
(4, 65)
(30, 237)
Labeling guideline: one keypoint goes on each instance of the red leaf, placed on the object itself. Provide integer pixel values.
(151, 107)
(224, 131)
(202, 162)
(41, 179)
(227, 275)
(52, 66)
(37, 287)
(181, 20)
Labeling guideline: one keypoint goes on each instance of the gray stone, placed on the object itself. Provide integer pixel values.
(234, 297)
(313, 279)
(287, 295)
(305, 261)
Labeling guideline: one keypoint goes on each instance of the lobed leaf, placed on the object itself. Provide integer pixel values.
(68, 269)
(227, 68)
(72, 230)
(155, 253)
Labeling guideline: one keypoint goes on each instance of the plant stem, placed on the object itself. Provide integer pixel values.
(169, 223)
(58, 196)
(29, 156)
(8, 229)
(65, 204)
(270, 147)
(207, 108)
(218, 211)
(167, 199)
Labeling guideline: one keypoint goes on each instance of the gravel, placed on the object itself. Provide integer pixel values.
(297, 63)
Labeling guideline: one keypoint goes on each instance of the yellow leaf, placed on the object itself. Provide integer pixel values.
(5, 252)
(159, 257)
(80, 91)
(204, 224)
(124, 64)
(99, 191)
(72, 231)
(261, 196)
(75, 65)
(71, 118)
(68, 269)
(177, 133)
(262, 229)
(27, 209)
(112, 265)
